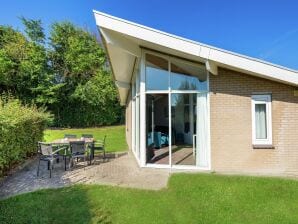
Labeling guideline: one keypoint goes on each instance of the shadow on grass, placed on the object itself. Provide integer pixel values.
(63, 205)
(189, 198)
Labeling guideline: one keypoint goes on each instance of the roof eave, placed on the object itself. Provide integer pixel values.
(217, 56)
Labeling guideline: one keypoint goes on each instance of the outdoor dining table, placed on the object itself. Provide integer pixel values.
(65, 142)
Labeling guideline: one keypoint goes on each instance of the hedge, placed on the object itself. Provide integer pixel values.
(21, 127)
(80, 116)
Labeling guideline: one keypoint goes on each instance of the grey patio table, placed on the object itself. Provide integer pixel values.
(66, 142)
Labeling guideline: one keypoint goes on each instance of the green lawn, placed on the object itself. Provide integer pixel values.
(189, 198)
(115, 140)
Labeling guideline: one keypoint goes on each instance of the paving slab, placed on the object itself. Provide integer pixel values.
(120, 171)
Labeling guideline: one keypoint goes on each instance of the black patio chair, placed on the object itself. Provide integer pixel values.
(70, 136)
(98, 145)
(47, 153)
(78, 149)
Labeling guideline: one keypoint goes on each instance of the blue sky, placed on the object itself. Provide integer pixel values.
(263, 29)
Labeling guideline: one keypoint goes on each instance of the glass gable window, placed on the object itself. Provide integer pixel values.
(182, 74)
(157, 75)
(188, 76)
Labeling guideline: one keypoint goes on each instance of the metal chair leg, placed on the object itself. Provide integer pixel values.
(51, 167)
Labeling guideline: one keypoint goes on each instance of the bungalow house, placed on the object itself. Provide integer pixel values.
(194, 106)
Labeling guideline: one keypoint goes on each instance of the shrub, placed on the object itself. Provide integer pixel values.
(21, 127)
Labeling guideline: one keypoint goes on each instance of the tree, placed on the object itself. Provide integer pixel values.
(34, 30)
(99, 95)
(12, 53)
(66, 73)
(24, 68)
(80, 62)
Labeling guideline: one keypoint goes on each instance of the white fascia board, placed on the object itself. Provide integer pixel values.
(227, 58)
(145, 33)
(255, 66)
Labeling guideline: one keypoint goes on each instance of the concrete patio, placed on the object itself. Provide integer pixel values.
(119, 171)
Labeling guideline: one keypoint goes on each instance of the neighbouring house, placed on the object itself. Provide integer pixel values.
(193, 106)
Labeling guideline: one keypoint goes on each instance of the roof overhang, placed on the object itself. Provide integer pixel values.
(123, 41)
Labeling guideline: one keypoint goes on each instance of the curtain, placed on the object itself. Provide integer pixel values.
(261, 124)
(202, 131)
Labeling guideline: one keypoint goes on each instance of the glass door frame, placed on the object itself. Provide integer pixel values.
(169, 92)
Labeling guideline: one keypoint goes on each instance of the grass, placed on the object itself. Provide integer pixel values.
(189, 198)
(115, 140)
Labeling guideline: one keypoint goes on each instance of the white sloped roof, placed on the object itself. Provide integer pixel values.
(123, 40)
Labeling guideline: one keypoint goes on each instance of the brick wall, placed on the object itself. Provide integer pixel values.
(231, 125)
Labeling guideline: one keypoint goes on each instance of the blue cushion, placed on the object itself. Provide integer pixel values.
(159, 139)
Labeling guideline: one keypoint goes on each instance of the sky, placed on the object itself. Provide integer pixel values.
(264, 29)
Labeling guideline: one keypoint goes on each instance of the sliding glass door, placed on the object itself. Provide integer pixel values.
(183, 125)
(157, 129)
(178, 137)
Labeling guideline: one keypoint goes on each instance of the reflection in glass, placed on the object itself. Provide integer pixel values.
(183, 108)
(157, 75)
(157, 128)
(188, 76)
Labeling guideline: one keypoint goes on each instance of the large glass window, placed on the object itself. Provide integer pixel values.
(187, 76)
(173, 88)
(182, 75)
(157, 75)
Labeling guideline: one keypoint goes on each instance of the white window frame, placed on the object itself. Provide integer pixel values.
(169, 91)
(262, 99)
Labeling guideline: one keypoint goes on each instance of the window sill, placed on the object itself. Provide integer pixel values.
(263, 146)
